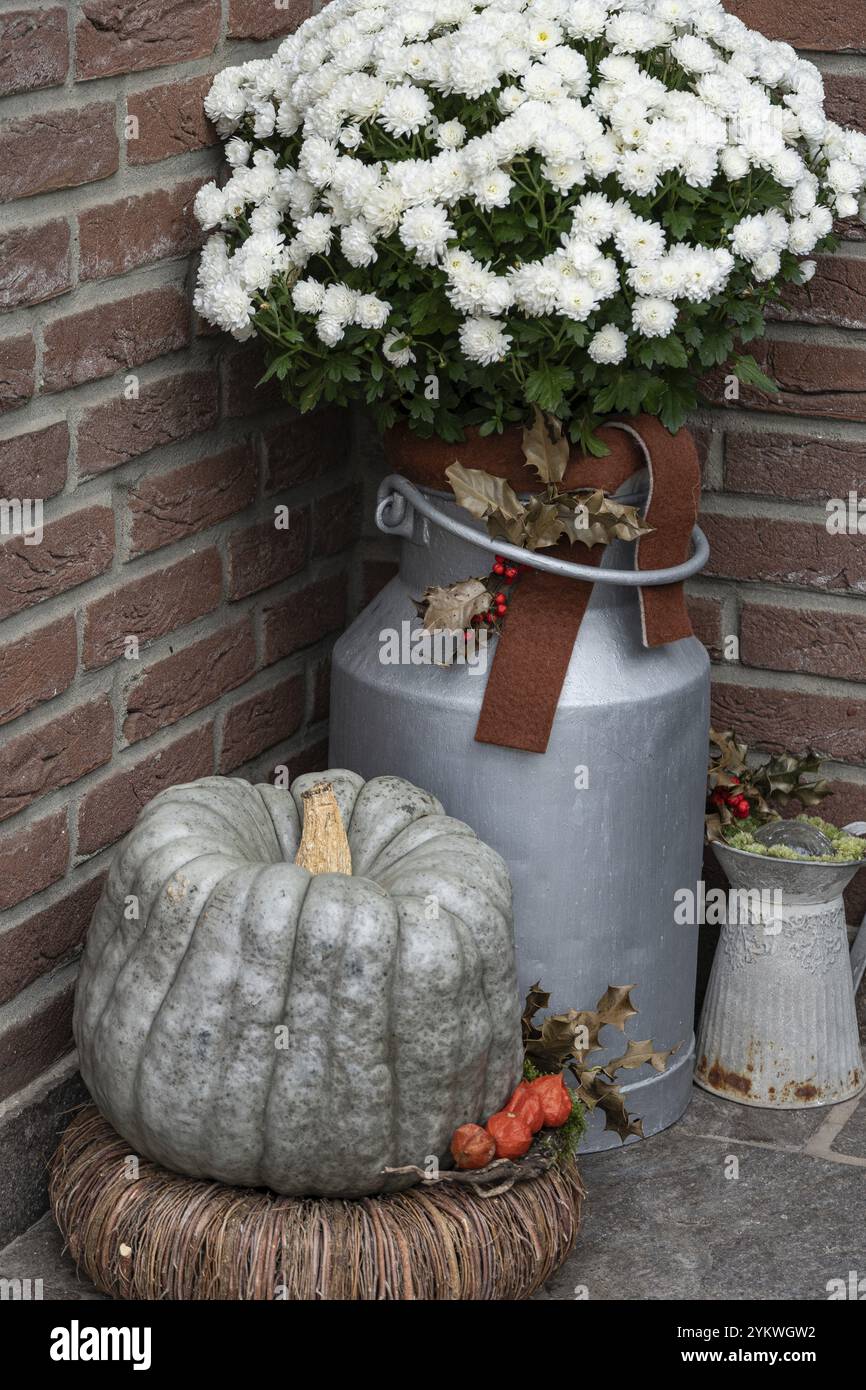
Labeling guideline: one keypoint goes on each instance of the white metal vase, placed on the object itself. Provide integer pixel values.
(779, 1026)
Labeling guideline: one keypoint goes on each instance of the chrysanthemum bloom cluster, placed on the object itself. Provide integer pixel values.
(454, 210)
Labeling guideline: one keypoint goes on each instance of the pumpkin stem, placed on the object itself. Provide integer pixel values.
(324, 847)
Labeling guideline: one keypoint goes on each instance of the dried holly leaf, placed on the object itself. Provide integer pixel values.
(483, 495)
(546, 448)
(615, 1006)
(611, 1101)
(543, 525)
(454, 607)
(536, 999)
(638, 1054)
(594, 519)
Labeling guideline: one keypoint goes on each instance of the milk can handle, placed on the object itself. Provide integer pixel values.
(398, 499)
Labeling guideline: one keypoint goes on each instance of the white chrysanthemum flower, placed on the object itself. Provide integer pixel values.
(585, 19)
(483, 340)
(608, 346)
(576, 298)
(425, 231)
(654, 318)
(767, 266)
(450, 135)
(807, 270)
(315, 233)
(493, 190)
(405, 110)
(238, 151)
(308, 296)
(357, 244)
(398, 357)
(209, 206)
(637, 238)
(750, 238)
(370, 311)
(593, 217)
(694, 54)
(330, 331)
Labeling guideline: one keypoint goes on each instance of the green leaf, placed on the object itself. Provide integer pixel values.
(547, 386)
(749, 373)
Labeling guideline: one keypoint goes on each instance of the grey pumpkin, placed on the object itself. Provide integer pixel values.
(239, 1017)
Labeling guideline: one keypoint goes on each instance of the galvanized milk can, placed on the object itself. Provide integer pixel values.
(779, 1024)
(600, 830)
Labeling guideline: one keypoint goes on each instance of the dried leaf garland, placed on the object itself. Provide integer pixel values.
(564, 1042)
(579, 514)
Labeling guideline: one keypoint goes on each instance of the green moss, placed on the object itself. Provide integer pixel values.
(845, 847)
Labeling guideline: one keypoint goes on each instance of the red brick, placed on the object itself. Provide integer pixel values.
(812, 641)
(197, 675)
(57, 149)
(305, 617)
(337, 521)
(128, 35)
(37, 667)
(74, 549)
(34, 50)
(827, 26)
(170, 506)
(845, 97)
(166, 410)
(33, 464)
(785, 552)
(46, 939)
(301, 449)
(836, 295)
(30, 1047)
(17, 363)
(799, 466)
(261, 19)
(821, 381)
(793, 720)
(32, 858)
(151, 606)
(375, 574)
(171, 120)
(34, 264)
(113, 337)
(242, 395)
(54, 754)
(110, 809)
(706, 616)
(261, 721)
(261, 555)
(137, 231)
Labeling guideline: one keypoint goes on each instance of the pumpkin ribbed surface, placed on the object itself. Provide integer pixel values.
(242, 1019)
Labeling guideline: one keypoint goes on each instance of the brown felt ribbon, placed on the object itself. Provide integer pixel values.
(546, 610)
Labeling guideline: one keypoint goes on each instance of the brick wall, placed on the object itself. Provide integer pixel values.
(792, 594)
(160, 470)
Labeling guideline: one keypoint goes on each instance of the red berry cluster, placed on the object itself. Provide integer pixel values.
(736, 803)
(504, 571)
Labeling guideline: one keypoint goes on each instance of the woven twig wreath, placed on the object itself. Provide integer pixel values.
(138, 1231)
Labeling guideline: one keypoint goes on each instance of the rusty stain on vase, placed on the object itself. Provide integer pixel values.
(723, 1080)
